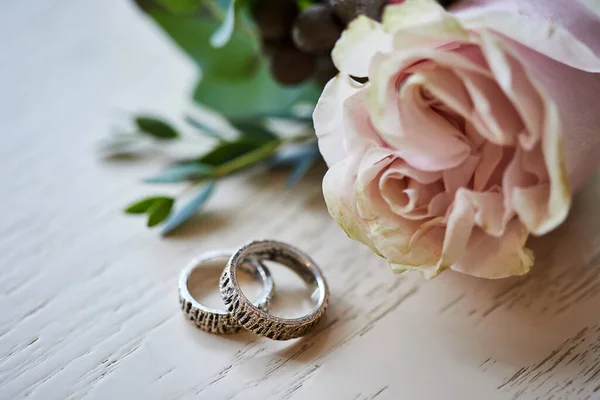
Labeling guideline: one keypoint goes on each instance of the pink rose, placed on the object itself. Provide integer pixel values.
(473, 131)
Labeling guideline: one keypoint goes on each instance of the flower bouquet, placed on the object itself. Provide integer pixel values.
(452, 132)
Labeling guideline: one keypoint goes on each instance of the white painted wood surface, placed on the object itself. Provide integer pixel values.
(88, 296)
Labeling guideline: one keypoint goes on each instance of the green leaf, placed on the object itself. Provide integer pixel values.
(301, 167)
(236, 60)
(159, 211)
(228, 151)
(189, 209)
(288, 115)
(119, 145)
(203, 128)
(258, 94)
(253, 157)
(180, 173)
(142, 206)
(253, 128)
(223, 34)
(156, 128)
(180, 7)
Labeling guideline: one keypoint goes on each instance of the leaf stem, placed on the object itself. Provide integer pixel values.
(249, 158)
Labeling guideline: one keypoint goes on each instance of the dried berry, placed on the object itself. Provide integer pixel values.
(290, 66)
(445, 3)
(324, 69)
(347, 10)
(316, 30)
(275, 18)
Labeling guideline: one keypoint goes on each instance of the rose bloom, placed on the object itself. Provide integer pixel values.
(473, 131)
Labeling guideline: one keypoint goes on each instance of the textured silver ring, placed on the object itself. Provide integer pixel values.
(259, 321)
(214, 320)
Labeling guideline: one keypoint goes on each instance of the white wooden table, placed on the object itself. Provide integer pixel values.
(88, 296)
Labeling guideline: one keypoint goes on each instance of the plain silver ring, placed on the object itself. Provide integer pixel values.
(259, 321)
(215, 320)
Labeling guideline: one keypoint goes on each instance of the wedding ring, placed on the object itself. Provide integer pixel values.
(214, 320)
(257, 320)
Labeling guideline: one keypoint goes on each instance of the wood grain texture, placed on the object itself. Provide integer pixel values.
(89, 297)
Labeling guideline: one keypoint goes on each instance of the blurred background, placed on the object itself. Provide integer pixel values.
(69, 71)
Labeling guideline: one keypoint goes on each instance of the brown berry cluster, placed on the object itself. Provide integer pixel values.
(299, 42)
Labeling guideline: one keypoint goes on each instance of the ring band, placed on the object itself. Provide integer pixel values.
(214, 320)
(253, 318)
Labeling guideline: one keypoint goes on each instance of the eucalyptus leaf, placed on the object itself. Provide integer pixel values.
(291, 155)
(120, 145)
(288, 115)
(299, 157)
(253, 157)
(223, 34)
(156, 128)
(142, 206)
(189, 209)
(228, 151)
(301, 167)
(159, 211)
(203, 128)
(237, 60)
(256, 95)
(253, 128)
(180, 173)
(179, 7)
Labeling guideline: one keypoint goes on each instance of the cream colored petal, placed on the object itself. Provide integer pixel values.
(422, 137)
(491, 155)
(517, 87)
(422, 19)
(423, 255)
(399, 167)
(460, 176)
(360, 135)
(328, 117)
(470, 210)
(542, 119)
(544, 37)
(493, 258)
(338, 191)
(361, 40)
(493, 114)
(429, 141)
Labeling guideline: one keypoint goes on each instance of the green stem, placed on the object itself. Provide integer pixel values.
(249, 158)
(310, 137)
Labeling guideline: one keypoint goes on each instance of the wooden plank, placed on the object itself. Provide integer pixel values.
(88, 296)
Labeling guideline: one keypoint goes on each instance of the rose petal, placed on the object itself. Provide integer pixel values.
(361, 40)
(494, 115)
(545, 37)
(328, 117)
(543, 121)
(417, 21)
(494, 258)
(579, 121)
(491, 155)
(460, 176)
(338, 191)
(517, 86)
(485, 210)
